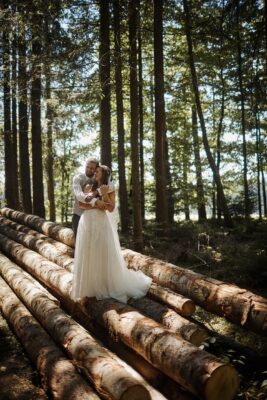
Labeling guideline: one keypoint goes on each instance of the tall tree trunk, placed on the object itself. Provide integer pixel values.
(124, 210)
(220, 126)
(225, 210)
(201, 208)
(219, 134)
(7, 107)
(24, 163)
(136, 199)
(170, 201)
(265, 29)
(160, 125)
(37, 162)
(141, 116)
(49, 161)
(243, 119)
(185, 181)
(258, 169)
(14, 129)
(104, 72)
(261, 168)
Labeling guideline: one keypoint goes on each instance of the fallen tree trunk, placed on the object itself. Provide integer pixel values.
(51, 229)
(188, 330)
(90, 356)
(58, 374)
(194, 369)
(154, 376)
(40, 245)
(237, 305)
(61, 247)
(177, 302)
(169, 318)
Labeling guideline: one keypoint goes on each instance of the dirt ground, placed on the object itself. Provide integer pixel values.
(18, 380)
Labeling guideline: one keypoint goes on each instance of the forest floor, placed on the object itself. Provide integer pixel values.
(236, 256)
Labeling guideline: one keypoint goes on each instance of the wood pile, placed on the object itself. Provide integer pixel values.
(147, 349)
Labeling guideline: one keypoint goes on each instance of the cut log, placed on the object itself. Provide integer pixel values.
(61, 247)
(51, 229)
(193, 368)
(188, 330)
(51, 249)
(40, 245)
(177, 302)
(167, 317)
(58, 375)
(92, 358)
(196, 370)
(237, 305)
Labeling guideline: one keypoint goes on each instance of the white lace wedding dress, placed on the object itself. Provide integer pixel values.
(99, 268)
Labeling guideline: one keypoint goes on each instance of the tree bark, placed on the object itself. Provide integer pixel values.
(235, 304)
(59, 246)
(169, 318)
(163, 349)
(160, 123)
(124, 211)
(96, 361)
(227, 216)
(14, 128)
(243, 117)
(37, 153)
(178, 303)
(202, 216)
(24, 162)
(40, 245)
(104, 73)
(49, 161)
(51, 229)
(9, 199)
(63, 256)
(141, 115)
(166, 350)
(188, 330)
(64, 382)
(136, 198)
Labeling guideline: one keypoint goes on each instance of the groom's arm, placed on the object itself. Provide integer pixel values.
(99, 204)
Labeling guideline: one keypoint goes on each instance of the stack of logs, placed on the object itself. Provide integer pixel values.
(148, 349)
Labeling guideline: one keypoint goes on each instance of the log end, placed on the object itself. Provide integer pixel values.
(188, 308)
(223, 384)
(198, 337)
(136, 392)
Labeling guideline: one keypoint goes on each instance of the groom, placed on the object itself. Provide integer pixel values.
(79, 181)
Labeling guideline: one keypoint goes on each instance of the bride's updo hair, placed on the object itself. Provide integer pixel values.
(106, 174)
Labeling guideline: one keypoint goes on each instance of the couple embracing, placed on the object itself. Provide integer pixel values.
(99, 268)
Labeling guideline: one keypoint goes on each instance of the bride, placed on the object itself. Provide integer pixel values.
(99, 268)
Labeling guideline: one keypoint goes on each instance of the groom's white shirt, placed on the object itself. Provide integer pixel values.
(79, 181)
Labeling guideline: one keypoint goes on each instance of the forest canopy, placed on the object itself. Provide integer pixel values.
(171, 94)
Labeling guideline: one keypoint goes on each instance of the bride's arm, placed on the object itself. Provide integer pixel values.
(109, 199)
